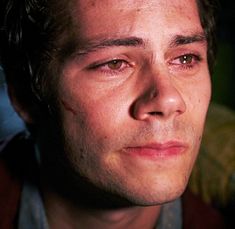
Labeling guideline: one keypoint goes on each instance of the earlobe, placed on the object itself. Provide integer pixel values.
(19, 107)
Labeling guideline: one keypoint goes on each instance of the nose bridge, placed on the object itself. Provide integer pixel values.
(164, 88)
(161, 97)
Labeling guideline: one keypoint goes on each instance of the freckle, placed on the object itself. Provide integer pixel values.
(200, 138)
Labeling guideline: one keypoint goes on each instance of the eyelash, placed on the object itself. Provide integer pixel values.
(195, 59)
(105, 68)
(124, 65)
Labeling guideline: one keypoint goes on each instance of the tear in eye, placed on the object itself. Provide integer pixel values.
(186, 60)
(112, 67)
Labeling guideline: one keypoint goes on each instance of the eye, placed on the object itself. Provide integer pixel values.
(112, 67)
(186, 60)
(187, 64)
(115, 64)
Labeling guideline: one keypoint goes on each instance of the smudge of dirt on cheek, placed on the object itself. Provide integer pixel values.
(68, 107)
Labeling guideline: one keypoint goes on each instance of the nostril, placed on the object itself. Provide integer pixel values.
(156, 113)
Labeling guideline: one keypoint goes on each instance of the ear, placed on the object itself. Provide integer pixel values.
(22, 109)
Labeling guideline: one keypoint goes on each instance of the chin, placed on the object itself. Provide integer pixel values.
(153, 194)
(158, 198)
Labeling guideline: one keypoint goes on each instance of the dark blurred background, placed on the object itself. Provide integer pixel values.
(223, 79)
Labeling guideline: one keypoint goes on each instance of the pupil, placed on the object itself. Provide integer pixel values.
(186, 59)
(115, 64)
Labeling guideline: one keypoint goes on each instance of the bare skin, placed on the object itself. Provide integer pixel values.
(132, 103)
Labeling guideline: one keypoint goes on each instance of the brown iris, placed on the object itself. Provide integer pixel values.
(186, 59)
(115, 64)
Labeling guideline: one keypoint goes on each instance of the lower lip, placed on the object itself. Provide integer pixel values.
(163, 152)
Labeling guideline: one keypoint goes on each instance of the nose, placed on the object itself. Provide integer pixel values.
(160, 99)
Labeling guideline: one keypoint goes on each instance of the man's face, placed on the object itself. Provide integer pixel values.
(133, 98)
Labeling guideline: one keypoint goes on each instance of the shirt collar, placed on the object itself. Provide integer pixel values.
(32, 213)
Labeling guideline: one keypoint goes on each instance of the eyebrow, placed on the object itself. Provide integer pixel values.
(176, 41)
(179, 40)
(105, 43)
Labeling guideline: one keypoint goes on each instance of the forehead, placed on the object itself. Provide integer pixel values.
(124, 4)
(94, 18)
(138, 5)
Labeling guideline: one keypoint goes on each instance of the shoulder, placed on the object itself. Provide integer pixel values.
(14, 152)
(199, 215)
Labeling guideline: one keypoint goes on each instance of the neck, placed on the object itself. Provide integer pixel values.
(62, 213)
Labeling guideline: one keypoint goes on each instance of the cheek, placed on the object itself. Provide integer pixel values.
(92, 120)
(202, 99)
(90, 134)
(198, 99)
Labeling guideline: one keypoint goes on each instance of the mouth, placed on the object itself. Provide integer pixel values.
(157, 150)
